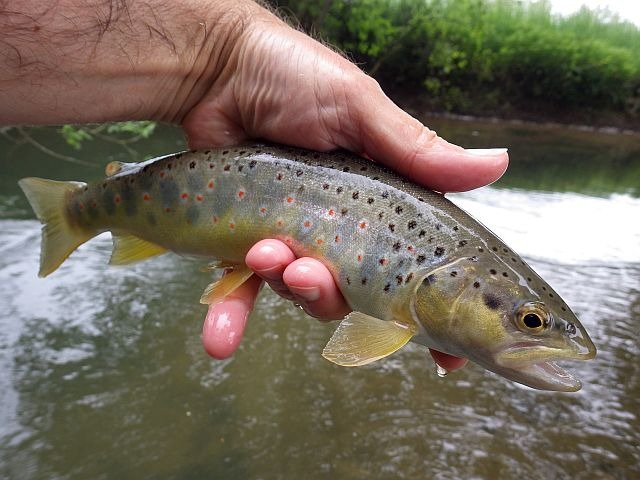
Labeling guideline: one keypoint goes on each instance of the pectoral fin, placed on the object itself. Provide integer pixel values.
(129, 249)
(362, 339)
(219, 289)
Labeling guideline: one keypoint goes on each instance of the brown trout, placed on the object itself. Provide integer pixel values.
(411, 265)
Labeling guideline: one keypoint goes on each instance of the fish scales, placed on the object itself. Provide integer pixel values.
(371, 229)
(412, 265)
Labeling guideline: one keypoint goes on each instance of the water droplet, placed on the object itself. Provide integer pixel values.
(441, 371)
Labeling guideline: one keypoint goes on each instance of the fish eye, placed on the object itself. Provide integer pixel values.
(533, 317)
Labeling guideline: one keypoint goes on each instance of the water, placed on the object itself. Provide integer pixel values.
(102, 374)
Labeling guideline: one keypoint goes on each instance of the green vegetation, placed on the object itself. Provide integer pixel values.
(472, 55)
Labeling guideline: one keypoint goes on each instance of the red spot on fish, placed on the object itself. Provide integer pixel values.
(146, 197)
(319, 241)
(331, 212)
(81, 206)
(359, 258)
(290, 200)
(288, 240)
(241, 194)
(263, 210)
(362, 225)
(161, 174)
(337, 239)
(117, 199)
(232, 225)
(279, 223)
(307, 223)
(383, 261)
(410, 248)
(199, 198)
(210, 185)
(215, 219)
(94, 204)
(184, 195)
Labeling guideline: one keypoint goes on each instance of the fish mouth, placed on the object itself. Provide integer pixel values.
(535, 366)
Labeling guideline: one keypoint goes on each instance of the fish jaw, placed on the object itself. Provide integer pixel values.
(535, 365)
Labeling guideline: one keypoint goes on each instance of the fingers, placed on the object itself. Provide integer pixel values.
(305, 281)
(448, 362)
(391, 136)
(225, 321)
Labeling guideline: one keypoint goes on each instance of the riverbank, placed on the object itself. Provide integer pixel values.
(612, 123)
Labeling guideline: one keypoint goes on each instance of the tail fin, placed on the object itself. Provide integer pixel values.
(59, 237)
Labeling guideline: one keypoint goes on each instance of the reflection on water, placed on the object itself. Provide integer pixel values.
(102, 373)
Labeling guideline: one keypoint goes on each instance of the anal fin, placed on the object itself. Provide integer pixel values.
(361, 339)
(128, 248)
(231, 280)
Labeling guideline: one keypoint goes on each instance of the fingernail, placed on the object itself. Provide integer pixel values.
(270, 273)
(482, 152)
(309, 294)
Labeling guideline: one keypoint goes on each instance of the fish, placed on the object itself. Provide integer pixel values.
(410, 264)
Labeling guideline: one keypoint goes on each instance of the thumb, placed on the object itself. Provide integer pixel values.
(390, 136)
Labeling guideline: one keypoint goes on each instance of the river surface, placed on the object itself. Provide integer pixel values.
(102, 374)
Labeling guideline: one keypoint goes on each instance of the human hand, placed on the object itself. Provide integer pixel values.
(283, 86)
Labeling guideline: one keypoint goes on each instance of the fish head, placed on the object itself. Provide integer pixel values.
(504, 317)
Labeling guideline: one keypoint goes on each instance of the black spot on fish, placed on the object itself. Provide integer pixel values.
(409, 278)
(505, 250)
(376, 178)
(348, 281)
(438, 226)
(412, 224)
(299, 173)
(439, 251)
(385, 194)
(492, 271)
(399, 209)
(454, 273)
(253, 163)
(207, 152)
(480, 249)
(392, 227)
(420, 199)
(529, 279)
(462, 243)
(345, 169)
(242, 152)
(473, 259)
(491, 301)
(455, 228)
(422, 233)
(355, 195)
(495, 249)
(339, 190)
(240, 168)
(227, 167)
(544, 288)
(380, 215)
(344, 211)
(514, 260)
(325, 186)
(420, 259)
(387, 287)
(396, 246)
(279, 176)
(399, 279)
(430, 280)
(192, 165)
(178, 156)
(476, 284)
(369, 200)
(505, 274)
(364, 280)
